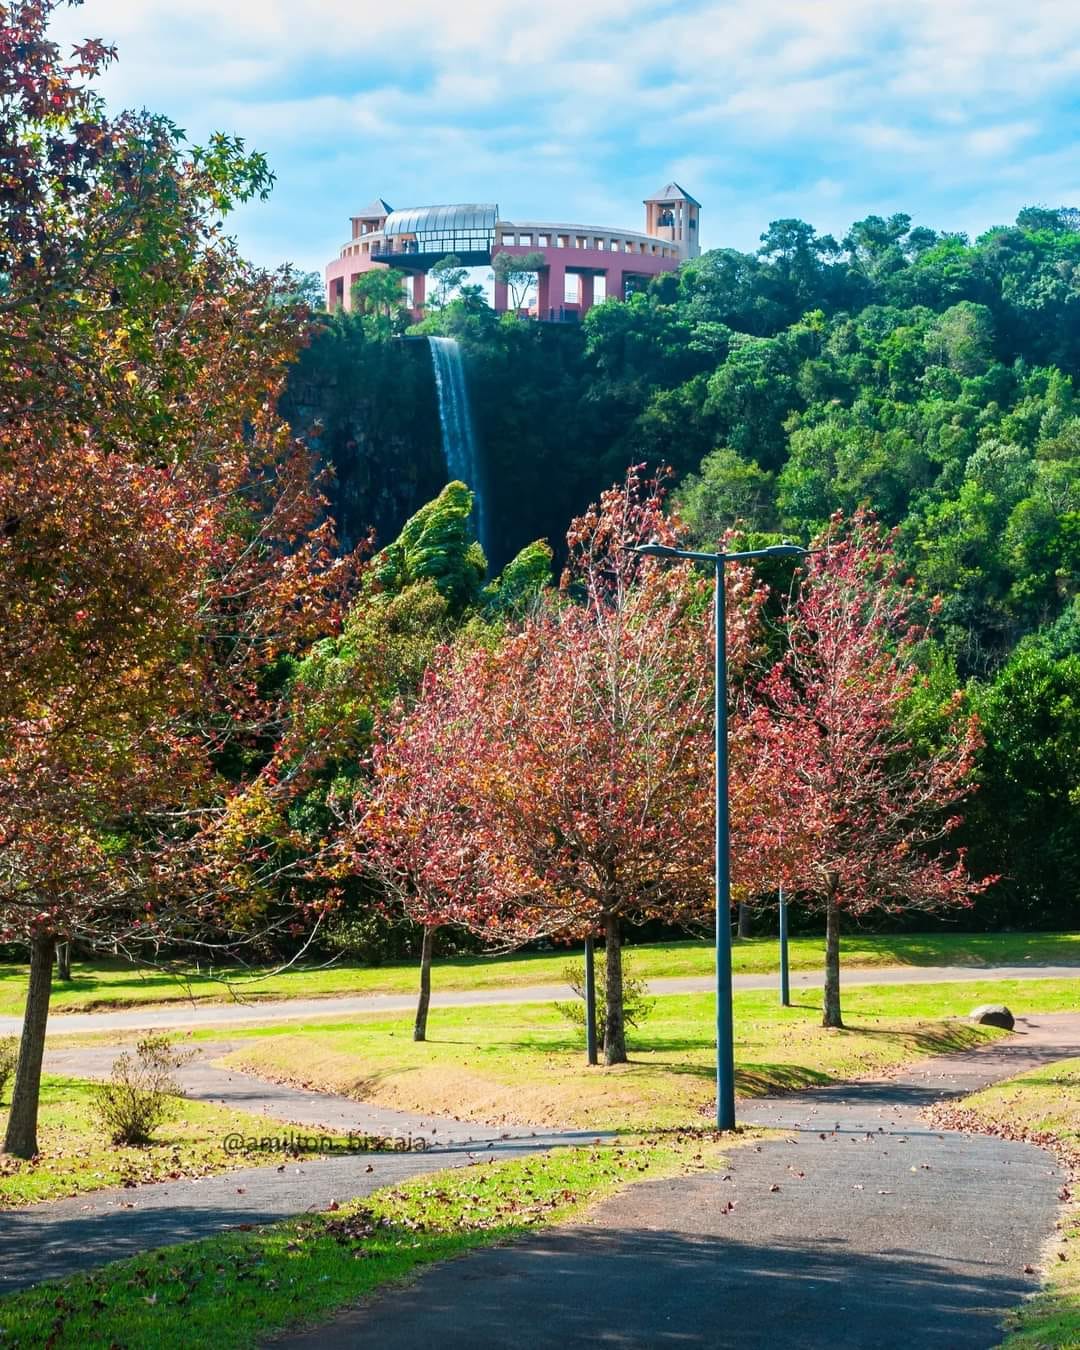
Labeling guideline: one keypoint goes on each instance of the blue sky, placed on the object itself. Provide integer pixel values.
(956, 111)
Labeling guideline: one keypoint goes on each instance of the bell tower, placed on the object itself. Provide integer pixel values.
(674, 216)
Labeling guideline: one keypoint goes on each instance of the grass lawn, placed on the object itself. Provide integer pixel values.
(1044, 1107)
(119, 985)
(76, 1155)
(523, 1064)
(238, 1289)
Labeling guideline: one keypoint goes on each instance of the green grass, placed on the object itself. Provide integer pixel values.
(115, 985)
(1042, 1106)
(236, 1290)
(523, 1064)
(76, 1155)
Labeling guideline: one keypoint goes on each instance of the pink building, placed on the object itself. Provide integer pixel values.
(583, 264)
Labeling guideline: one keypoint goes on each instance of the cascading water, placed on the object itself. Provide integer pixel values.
(455, 418)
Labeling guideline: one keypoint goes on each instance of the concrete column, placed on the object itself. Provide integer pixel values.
(616, 286)
(585, 292)
(502, 297)
(543, 292)
(558, 288)
(419, 291)
(551, 295)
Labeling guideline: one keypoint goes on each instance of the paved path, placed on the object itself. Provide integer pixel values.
(188, 1016)
(894, 1236)
(62, 1237)
(70, 1236)
(862, 1228)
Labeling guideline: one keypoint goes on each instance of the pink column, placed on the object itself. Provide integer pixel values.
(419, 290)
(585, 292)
(551, 291)
(502, 297)
(616, 285)
(543, 292)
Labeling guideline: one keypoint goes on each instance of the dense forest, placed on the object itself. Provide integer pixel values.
(927, 376)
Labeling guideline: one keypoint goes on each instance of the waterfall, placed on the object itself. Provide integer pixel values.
(458, 434)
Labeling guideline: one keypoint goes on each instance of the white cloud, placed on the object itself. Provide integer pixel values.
(575, 107)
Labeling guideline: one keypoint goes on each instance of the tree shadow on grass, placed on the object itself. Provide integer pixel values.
(930, 1040)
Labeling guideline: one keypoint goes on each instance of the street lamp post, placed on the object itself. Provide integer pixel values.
(725, 1031)
(590, 1002)
(785, 977)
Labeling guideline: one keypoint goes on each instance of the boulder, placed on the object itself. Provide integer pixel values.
(993, 1015)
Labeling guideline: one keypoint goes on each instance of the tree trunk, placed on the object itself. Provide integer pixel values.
(428, 946)
(832, 1017)
(21, 1137)
(614, 1025)
(63, 961)
(744, 921)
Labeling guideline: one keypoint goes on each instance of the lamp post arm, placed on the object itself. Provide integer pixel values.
(658, 550)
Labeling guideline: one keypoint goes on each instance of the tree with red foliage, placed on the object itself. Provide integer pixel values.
(161, 540)
(419, 826)
(585, 776)
(865, 818)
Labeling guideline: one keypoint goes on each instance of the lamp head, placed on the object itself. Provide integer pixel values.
(655, 549)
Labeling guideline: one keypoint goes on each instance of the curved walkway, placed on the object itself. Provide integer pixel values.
(190, 1016)
(64, 1237)
(861, 1227)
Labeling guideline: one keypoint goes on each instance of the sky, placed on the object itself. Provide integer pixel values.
(958, 112)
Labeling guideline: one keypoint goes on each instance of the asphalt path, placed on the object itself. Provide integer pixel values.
(861, 1228)
(197, 1016)
(64, 1237)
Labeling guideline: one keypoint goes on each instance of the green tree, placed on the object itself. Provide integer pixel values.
(300, 288)
(379, 296)
(447, 277)
(965, 338)
(728, 491)
(1025, 822)
(518, 273)
(436, 545)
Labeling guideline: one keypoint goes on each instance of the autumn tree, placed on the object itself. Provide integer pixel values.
(867, 814)
(418, 826)
(595, 775)
(161, 544)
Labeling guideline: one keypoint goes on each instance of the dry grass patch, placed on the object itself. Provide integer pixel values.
(519, 1065)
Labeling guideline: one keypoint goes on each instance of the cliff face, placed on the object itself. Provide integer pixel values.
(369, 410)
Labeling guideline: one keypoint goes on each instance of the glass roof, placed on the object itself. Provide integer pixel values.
(470, 218)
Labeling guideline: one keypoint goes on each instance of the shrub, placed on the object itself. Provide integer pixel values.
(637, 1004)
(141, 1091)
(9, 1058)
